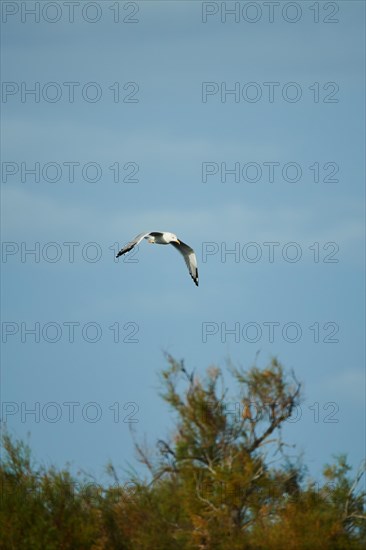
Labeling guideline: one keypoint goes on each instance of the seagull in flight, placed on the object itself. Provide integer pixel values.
(165, 237)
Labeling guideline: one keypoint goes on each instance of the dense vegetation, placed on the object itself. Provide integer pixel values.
(223, 481)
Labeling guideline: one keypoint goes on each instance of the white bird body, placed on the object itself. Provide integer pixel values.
(165, 237)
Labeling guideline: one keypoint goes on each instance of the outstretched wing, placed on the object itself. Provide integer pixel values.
(129, 246)
(190, 259)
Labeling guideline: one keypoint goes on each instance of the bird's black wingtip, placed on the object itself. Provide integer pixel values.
(124, 251)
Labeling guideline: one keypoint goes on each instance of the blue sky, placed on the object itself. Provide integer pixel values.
(162, 140)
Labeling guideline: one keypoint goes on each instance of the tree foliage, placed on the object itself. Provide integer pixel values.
(222, 480)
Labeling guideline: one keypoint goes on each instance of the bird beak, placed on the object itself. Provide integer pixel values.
(178, 241)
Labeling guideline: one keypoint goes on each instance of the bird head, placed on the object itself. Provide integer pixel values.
(173, 238)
